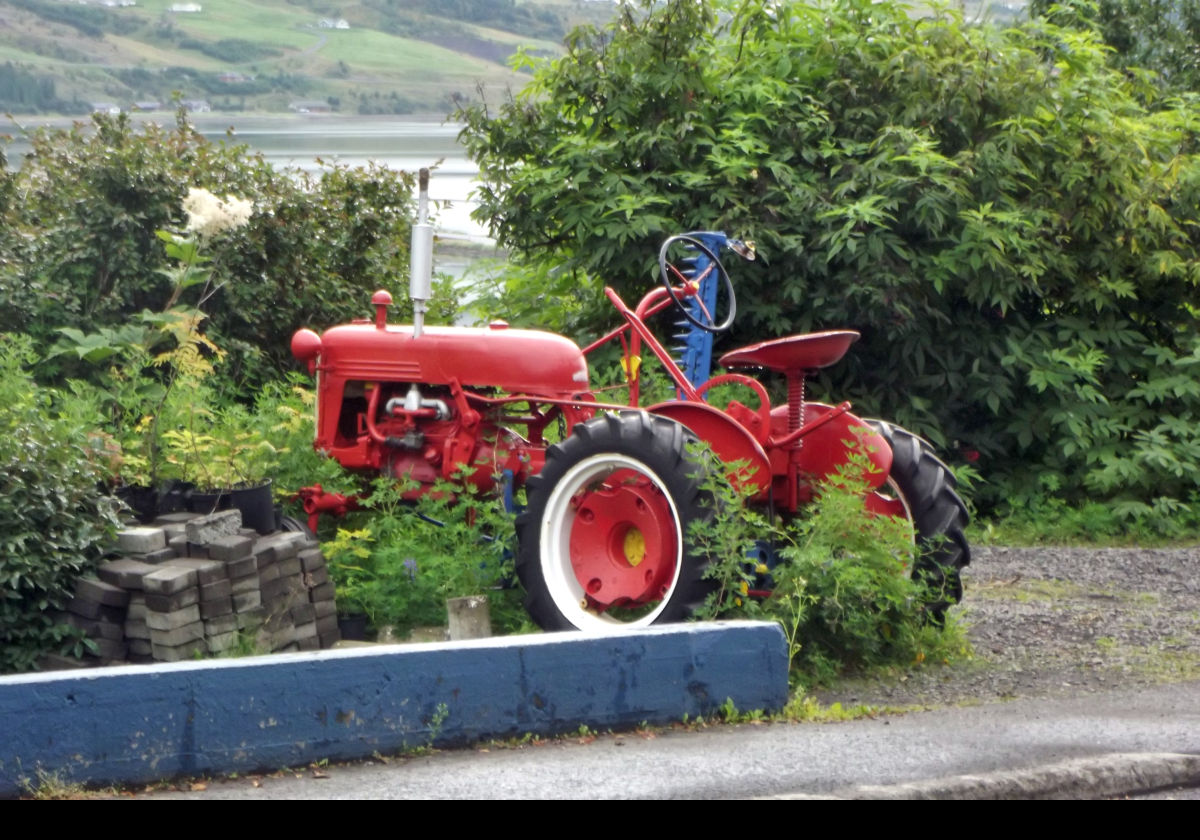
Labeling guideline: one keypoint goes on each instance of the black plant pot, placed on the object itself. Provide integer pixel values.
(142, 500)
(206, 501)
(353, 627)
(256, 504)
(148, 503)
(172, 496)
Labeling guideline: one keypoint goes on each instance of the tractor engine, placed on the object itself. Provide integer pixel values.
(436, 404)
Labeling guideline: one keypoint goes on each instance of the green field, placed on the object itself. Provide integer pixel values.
(267, 54)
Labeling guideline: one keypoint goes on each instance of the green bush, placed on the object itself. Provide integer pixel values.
(841, 585)
(1012, 225)
(54, 519)
(236, 50)
(81, 249)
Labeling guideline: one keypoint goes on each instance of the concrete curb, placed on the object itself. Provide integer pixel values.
(142, 723)
(1094, 777)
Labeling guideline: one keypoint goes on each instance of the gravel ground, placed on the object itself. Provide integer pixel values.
(1047, 622)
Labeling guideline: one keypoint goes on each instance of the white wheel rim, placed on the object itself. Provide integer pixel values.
(899, 496)
(563, 585)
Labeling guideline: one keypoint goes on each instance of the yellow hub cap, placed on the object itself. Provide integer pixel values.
(635, 547)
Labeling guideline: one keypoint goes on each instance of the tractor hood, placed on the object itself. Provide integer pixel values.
(496, 356)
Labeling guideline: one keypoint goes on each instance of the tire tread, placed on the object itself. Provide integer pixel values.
(939, 515)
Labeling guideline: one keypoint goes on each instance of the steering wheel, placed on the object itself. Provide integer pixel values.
(669, 272)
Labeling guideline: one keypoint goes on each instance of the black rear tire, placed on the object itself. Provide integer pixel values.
(926, 487)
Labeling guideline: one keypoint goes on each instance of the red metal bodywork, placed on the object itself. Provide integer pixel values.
(496, 356)
(364, 367)
(471, 403)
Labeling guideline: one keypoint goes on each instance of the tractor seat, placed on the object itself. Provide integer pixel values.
(793, 353)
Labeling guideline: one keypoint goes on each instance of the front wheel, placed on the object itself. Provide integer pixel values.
(604, 540)
(921, 489)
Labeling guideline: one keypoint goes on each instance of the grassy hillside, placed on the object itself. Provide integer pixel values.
(370, 56)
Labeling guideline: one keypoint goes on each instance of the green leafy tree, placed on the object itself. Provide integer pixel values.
(1011, 223)
(1158, 35)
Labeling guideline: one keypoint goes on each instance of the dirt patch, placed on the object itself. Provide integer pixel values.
(1052, 621)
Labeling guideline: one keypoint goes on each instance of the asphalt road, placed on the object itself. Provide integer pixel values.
(1102, 744)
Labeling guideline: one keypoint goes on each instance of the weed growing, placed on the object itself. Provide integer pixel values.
(803, 708)
(245, 644)
(836, 578)
(47, 784)
(402, 557)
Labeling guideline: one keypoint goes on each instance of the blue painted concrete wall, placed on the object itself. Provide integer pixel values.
(143, 723)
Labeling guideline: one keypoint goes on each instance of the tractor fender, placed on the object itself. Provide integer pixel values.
(824, 451)
(730, 440)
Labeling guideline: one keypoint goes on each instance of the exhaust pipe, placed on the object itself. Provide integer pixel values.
(420, 267)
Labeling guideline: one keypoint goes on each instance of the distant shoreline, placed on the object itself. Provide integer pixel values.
(65, 121)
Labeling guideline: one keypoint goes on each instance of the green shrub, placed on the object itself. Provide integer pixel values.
(1046, 520)
(81, 249)
(841, 586)
(282, 416)
(54, 519)
(236, 50)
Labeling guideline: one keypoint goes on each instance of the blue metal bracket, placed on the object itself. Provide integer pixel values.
(693, 347)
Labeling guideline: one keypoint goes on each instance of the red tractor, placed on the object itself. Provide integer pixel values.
(604, 537)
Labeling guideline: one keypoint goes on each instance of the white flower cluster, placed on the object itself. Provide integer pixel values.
(209, 215)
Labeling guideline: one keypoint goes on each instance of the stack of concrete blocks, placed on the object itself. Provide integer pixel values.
(99, 610)
(190, 586)
(297, 596)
